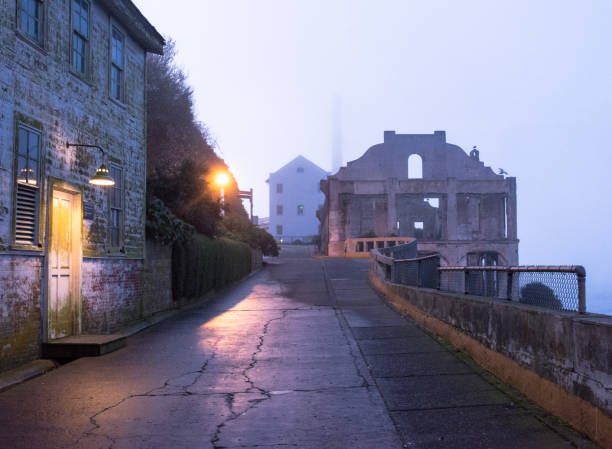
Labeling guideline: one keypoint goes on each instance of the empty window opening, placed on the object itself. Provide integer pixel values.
(279, 229)
(279, 188)
(369, 246)
(380, 244)
(505, 217)
(279, 209)
(418, 229)
(415, 167)
(433, 202)
(300, 209)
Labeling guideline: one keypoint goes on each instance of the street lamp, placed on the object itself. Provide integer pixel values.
(222, 179)
(102, 176)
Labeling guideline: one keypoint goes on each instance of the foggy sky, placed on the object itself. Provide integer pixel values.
(528, 81)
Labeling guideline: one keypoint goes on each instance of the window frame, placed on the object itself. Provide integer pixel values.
(279, 210)
(119, 185)
(279, 227)
(122, 97)
(42, 25)
(300, 209)
(87, 40)
(279, 187)
(30, 126)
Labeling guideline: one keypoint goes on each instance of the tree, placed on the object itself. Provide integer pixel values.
(539, 294)
(180, 161)
(182, 164)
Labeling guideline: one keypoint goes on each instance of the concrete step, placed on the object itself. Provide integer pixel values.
(82, 346)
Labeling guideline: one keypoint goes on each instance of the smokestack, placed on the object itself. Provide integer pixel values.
(336, 134)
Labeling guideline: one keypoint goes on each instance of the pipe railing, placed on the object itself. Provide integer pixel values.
(553, 287)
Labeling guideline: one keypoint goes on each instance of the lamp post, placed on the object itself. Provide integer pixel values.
(222, 179)
(102, 176)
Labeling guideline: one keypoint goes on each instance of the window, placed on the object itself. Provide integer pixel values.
(418, 229)
(415, 167)
(279, 209)
(279, 229)
(433, 202)
(30, 19)
(115, 201)
(116, 68)
(27, 186)
(300, 209)
(80, 36)
(279, 188)
(300, 169)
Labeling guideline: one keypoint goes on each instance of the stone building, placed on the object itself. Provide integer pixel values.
(418, 185)
(71, 253)
(294, 200)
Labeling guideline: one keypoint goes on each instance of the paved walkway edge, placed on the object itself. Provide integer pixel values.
(35, 368)
(578, 413)
(25, 372)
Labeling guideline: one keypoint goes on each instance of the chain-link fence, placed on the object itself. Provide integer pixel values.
(557, 288)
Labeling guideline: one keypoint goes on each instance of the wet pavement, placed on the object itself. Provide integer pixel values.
(303, 354)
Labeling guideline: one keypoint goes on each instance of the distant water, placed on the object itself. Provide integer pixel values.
(598, 302)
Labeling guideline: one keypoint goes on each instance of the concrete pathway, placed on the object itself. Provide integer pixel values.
(304, 354)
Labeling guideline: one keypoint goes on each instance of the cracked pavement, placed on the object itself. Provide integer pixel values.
(303, 354)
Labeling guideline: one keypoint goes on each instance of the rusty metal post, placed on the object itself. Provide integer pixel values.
(581, 274)
(509, 280)
(251, 198)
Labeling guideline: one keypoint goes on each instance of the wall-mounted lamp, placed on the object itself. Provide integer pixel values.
(102, 176)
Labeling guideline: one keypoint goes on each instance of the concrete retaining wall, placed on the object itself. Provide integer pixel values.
(561, 360)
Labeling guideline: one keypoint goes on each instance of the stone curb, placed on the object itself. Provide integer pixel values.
(25, 372)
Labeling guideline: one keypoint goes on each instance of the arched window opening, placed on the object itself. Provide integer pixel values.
(415, 167)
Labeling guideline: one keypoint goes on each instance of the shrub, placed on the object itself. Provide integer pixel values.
(201, 264)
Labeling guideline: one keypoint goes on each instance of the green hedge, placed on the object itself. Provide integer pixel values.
(201, 264)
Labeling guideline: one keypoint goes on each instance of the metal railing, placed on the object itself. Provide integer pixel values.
(418, 272)
(363, 245)
(553, 287)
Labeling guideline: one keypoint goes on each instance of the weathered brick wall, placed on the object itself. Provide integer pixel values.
(157, 279)
(37, 86)
(112, 294)
(19, 310)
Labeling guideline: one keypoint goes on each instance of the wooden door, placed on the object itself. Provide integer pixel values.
(62, 265)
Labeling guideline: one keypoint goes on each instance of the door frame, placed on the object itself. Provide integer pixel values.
(77, 253)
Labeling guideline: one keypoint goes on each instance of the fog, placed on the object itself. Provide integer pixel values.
(528, 82)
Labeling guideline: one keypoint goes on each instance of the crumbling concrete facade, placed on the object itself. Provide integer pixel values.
(71, 253)
(448, 200)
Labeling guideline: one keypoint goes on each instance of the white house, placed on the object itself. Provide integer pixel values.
(294, 199)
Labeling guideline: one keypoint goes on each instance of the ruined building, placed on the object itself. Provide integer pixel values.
(418, 185)
(71, 253)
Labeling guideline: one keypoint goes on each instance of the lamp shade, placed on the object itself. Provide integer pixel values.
(102, 177)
